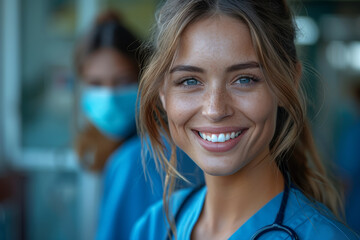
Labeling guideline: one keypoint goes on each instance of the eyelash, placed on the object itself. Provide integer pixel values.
(252, 80)
(182, 82)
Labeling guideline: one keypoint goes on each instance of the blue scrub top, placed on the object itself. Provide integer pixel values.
(128, 192)
(309, 220)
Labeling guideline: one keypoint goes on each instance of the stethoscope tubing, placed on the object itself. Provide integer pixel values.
(278, 223)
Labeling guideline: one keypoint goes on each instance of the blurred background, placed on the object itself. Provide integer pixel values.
(44, 192)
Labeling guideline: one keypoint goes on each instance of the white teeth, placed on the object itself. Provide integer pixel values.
(214, 138)
(227, 137)
(222, 137)
(201, 134)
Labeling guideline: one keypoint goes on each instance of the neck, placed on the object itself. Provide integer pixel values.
(232, 200)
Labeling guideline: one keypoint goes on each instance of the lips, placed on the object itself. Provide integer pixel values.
(219, 139)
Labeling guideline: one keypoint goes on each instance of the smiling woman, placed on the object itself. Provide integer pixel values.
(217, 99)
(223, 84)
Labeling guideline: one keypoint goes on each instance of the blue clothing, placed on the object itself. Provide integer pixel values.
(127, 192)
(348, 160)
(309, 220)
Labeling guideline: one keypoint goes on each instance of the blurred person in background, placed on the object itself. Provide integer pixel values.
(108, 66)
(106, 63)
(348, 161)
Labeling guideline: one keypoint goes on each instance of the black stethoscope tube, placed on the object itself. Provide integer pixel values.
(278, 224)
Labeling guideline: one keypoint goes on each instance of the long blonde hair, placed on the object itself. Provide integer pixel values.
(272, 30)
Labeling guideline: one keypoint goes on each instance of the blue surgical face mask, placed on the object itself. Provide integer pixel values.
(111, 110)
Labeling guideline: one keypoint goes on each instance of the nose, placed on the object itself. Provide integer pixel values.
(217, 104)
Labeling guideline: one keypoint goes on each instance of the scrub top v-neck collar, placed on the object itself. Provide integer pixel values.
(265, 216)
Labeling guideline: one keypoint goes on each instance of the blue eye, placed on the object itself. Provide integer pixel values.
(244, 80)
(190, 82)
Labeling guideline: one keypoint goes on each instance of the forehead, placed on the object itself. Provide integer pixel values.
(106, 56)
(214, 37)
(107, 61)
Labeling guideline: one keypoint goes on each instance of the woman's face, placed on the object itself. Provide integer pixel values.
(109, 68)
(220, 109)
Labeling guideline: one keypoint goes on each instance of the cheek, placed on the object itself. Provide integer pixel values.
(179, 108)
(261, 109)
(179, 111)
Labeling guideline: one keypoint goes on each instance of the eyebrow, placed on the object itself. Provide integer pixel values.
(236, 67)
(242, 66)
(186, 68)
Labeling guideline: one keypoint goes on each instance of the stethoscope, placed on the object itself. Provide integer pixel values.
(276, 226)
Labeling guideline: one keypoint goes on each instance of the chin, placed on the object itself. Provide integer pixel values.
(219, 172)
(220, 168)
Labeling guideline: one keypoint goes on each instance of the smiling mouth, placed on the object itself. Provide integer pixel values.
(219, 137)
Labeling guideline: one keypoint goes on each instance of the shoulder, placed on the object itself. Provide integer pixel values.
(125, 158)
(129, 147)
(153, 224)
(311, 220)
(126, 164)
